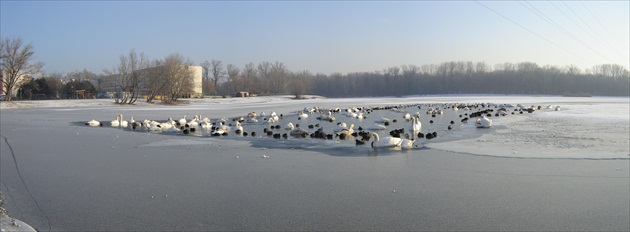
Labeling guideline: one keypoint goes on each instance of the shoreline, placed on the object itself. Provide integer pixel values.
(76, 103)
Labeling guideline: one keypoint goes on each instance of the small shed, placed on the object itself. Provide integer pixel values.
(241, 94)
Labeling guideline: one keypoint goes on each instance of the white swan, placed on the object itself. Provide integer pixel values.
(326, 117)
(148, 123)
(416, 125)
(221, 125)
(346, 133)
(206, 125)
(166, 125)
(350, 129)
(483, 122)
(153, 126)
(273, 119)
(205, 119)
(183, 121)
(289, 126)
(385, 142)
(116, 123)
(557, 108)
(93, 123)
(194, 123)
(407, 143)
(341, 126)
(302, 115)
(237, 127)
(123, 123)
(407, 116)
(172, 130)
(251, 120)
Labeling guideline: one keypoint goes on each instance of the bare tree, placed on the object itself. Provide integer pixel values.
(277, 77)
(298, 84)
(180, 77)
(264, 68)
(217, 72)
(206, 83)
(610, 70)
(481, 67)
(16, 64)
(429, 69)
(54, 84)
(128, 77)
(234, 78)
(573, 70)
(84, 75)
(233, 71)
(409, 70)
(393, 71)
(156, 80)
(248, 75)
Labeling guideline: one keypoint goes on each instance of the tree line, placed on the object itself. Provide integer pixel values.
(476, 78)
(266, 78)
(169, 78)
(455, 77)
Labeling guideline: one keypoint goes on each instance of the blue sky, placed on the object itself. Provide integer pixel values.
(322, 36)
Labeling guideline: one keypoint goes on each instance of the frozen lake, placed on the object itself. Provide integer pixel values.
(548, 170)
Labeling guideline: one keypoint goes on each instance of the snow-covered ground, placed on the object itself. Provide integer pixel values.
(550, 170)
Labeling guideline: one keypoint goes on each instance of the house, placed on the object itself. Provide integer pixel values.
(241, 94)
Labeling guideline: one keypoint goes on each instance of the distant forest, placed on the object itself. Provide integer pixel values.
(459, 77)
(476, 78)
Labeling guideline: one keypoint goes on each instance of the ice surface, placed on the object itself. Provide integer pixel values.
(595, 127)
(571, 176)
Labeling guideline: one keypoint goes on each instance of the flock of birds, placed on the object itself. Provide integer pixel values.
(332, 123)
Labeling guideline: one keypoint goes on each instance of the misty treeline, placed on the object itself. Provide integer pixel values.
(455, 77)
(476, 78)
(265, 78)
(270, 78)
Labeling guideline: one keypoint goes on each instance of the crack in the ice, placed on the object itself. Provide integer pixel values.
(17, 168)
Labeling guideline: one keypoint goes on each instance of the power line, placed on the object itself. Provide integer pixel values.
(536, 34)
(624, 45)
(599, 38)
(556, 25)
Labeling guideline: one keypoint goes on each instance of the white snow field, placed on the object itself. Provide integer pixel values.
(548, 170)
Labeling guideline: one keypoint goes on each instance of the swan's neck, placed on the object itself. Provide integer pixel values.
(376, 137)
